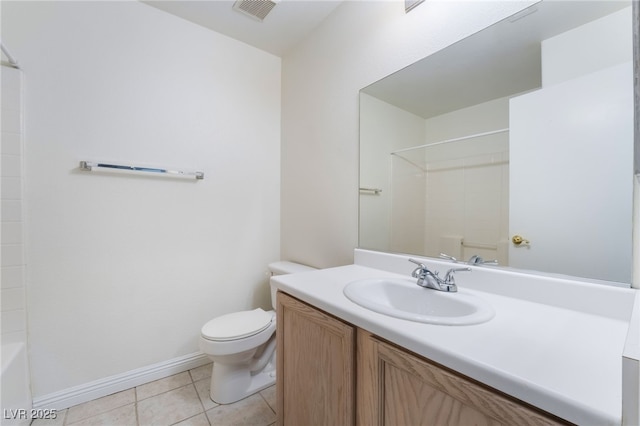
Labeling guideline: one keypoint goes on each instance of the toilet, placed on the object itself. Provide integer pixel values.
(242, 347)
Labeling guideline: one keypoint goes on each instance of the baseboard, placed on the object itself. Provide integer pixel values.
(78, 394)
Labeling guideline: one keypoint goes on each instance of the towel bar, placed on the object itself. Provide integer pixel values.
(89, 165)
(375, 191)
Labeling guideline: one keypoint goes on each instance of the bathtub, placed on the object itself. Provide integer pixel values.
(15, 393)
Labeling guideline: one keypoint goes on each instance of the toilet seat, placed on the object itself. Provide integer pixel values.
(237, 325)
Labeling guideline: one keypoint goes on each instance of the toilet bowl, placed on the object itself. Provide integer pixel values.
(232, 342)
(242, 347)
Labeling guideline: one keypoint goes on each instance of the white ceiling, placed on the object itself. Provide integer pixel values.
(505, 58)
(289, 22)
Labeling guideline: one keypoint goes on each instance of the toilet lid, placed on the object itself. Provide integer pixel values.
(237, 325)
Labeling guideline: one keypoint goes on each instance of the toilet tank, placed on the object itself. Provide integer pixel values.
(283, 268)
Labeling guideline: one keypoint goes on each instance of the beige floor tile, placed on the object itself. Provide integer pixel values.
(269, 395)
(201, 372)
(163, 385)
(199, 420)
(169, 407)
(58, 421)
(203, 387)
(123, 416)
(100, 405)
(252, 411)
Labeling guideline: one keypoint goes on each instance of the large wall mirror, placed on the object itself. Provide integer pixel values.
(514, 144)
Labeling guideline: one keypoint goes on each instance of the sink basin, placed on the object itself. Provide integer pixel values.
(403, 298)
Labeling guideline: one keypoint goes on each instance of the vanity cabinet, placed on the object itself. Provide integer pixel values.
(332, 373)
(396, 387)
(315, 381)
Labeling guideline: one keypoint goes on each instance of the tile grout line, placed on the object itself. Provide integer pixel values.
(163, 392)
(266, 402)
(100, 414)
(204, 410)
(135, 410)
(135, 393)
(137, 400)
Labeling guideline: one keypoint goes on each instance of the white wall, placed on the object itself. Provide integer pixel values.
(468, 195)
(604, 42)
(123, 270)
(387, 128)
(358, 44)
(601, 86)
(436, 193)
(12, 295)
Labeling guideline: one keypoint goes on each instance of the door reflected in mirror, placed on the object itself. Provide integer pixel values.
(523, 129)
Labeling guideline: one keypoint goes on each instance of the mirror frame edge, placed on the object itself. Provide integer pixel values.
(635, 246)
(635, 249)
(636, 66)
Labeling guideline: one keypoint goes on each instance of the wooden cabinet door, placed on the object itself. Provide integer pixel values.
(399, 388)
(315, 366)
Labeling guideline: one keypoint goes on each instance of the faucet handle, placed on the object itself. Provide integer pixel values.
(446, 256)
(448, 278)
(477, 260)
(421, 269)
(417, 263)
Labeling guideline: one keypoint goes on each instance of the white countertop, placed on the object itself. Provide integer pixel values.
(563, 360)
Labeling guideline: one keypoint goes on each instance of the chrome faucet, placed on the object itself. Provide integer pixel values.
(429, 279)
(473, 260)
(446, 256)
(477, 260)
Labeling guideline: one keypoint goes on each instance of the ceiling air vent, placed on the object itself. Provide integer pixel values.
(256, 9)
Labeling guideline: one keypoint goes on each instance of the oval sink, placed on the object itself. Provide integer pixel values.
(403, 298)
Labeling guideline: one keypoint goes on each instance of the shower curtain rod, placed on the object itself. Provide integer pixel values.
(12, 61)
(451, 140)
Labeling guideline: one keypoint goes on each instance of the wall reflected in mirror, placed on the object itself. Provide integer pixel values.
(523, 129)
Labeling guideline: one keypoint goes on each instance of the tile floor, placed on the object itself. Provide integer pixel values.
(182, 399)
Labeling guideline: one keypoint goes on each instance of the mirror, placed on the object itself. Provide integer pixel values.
(514, 144)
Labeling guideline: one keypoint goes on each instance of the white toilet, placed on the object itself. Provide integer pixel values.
(242, 347)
